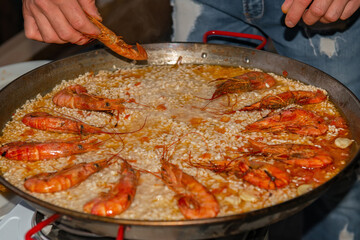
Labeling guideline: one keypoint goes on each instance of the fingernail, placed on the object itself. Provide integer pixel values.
(284, 10)
(285, 7)
(289, 23)
(81, 41)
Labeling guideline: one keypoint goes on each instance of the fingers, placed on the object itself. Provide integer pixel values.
(30, 26)
(325, 11)
(90, 8)
(59, 21)
(295, 10)
(31, 29)
(286, 6)
(41, 32)
(72, 23)
(316, 11)
(350, 8)
(75, 14)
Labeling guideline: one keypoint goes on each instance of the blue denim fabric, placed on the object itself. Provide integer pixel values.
(336, 215)
(332, 48)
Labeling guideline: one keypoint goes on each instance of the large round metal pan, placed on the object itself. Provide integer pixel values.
(43, 79)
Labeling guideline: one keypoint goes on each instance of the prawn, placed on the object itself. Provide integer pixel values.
(262, 175)
(194, 199)
(68, 177)
(77, 96)
(267, 176)
(286, 98)
(47, 122)
(306, 156)
(119, 198)
(293, 120)
(35, 151)
(115, 43)
(244, 83)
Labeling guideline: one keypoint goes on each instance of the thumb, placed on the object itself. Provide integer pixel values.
(90, 8)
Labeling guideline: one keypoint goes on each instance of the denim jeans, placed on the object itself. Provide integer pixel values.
(332, 48)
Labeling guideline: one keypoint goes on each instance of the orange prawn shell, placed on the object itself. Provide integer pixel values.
(306, 156)
(115, 43)
(47, 122)
(68, 177)
(35, 151)
(286, 98)
(295, 120)
(268, 177)
(189, 192)
(119, 198)
(76, 96)
(249, 81)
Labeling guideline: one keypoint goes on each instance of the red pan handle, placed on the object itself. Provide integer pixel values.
(40, 225)
(235, 34)
(120, 235)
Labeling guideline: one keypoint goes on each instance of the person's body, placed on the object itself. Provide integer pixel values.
(321, 33)
(324, 45)
(330, 47)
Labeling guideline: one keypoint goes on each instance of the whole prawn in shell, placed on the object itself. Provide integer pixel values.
(293, 120)
(286, 98)
(35, 151)
(262, 175)
(47, 122)
(302, 155)
(68, 177)
(120, 197)
(194, 199)
(77, 96)
(246, 82)
(115, 43)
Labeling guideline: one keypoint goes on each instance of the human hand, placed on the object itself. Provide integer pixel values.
(325, 11)
(59, 21)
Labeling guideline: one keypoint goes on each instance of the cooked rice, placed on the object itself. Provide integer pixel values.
(171, 100)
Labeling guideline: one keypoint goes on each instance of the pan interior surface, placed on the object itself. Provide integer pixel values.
(43, 80)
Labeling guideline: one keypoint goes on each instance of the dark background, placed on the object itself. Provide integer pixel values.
(143, 21)
(11, 20)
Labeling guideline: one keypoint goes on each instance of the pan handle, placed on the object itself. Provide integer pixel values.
(120, 235)
(236, 34)
(40, 225)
